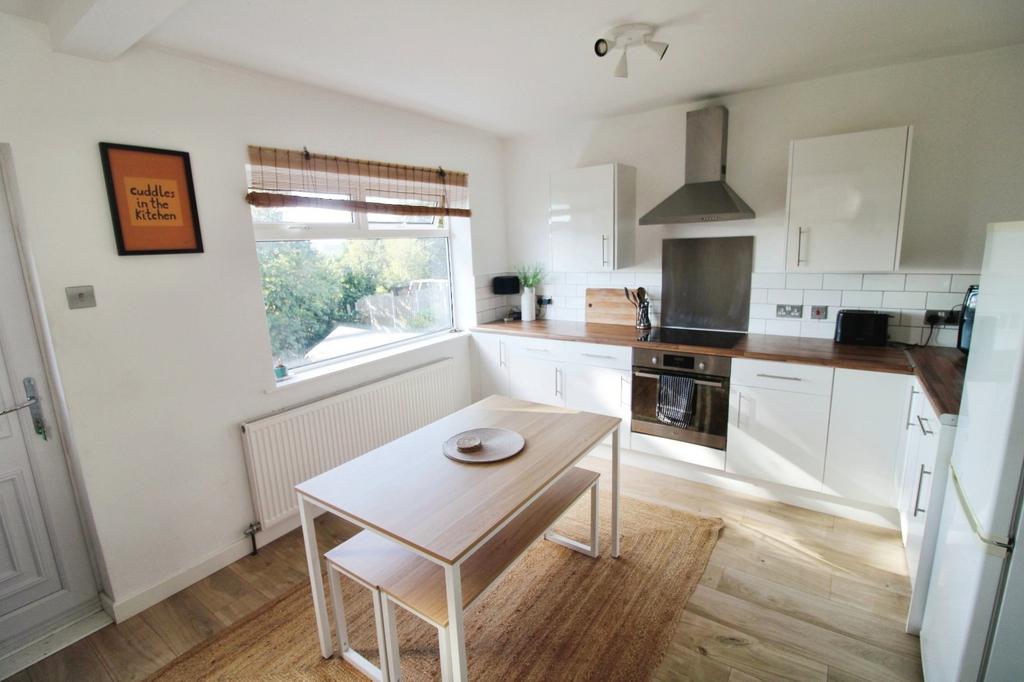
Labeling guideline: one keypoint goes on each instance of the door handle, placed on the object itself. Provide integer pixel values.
(779, 376)
(739, 407)
(596, 355)
(800, 245)
(920, 422)
(20, 406)
(32, 404)
(646, 375)
(701, 382)
(917, 499)
(604, 250)
(558, 389)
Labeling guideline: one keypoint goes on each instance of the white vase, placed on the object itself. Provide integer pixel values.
(528, 304)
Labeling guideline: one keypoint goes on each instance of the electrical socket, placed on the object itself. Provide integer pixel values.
(543, 300)
(819, 312)
(938, 317)
(787, 310)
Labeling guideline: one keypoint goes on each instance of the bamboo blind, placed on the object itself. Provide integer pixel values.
(277, 176)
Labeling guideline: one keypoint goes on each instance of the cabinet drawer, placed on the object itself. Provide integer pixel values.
(782, 376)
(597, 355)
(542, 349)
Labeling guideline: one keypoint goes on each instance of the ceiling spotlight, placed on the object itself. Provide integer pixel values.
(624, 37)
(622, 68)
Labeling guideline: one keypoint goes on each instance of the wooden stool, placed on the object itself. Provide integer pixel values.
(396, 575)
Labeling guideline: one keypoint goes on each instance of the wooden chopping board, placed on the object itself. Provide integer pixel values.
(609, 306)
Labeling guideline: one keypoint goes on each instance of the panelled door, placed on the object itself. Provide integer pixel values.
(46, 579)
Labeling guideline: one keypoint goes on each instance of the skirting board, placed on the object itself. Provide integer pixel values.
(819, 502)
(76, 625)
(123, 609)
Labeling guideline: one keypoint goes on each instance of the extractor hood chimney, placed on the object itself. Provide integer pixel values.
(704, 197)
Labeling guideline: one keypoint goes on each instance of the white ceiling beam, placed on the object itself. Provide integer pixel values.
(105, 29)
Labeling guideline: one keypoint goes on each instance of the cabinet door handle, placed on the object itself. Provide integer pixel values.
(538, 350)
(596, 355)
(712, 384)
(739, 407)
(558, 377)
(910, 406)
(604, 249)
(800, 245)
(646, 375)
(920, 422)
(917, 499)
(779, 376)
(501, 354)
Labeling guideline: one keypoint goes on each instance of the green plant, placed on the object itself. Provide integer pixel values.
(530, 275)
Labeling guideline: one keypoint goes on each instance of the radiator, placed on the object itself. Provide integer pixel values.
(292, 446)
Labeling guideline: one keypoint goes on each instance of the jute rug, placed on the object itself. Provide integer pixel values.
(557, 615)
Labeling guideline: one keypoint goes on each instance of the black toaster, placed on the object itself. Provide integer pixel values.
(862, 327)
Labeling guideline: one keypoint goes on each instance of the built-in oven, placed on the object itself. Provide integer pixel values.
(681, 396)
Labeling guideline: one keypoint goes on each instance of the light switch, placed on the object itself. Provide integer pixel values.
(81, 297)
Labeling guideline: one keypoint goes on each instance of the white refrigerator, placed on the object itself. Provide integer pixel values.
(973, 624)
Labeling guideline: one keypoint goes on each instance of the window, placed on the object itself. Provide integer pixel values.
(338, 282)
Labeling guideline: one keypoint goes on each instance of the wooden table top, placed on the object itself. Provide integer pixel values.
(409, 491)
(753, 346)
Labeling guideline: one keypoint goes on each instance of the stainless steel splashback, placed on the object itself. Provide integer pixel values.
(705, 282)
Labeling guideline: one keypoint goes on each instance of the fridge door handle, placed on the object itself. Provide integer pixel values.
(972, 519)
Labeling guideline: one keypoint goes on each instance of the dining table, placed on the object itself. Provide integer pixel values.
(444, 510)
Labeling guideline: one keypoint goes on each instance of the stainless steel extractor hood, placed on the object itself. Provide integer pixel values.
(705, 196)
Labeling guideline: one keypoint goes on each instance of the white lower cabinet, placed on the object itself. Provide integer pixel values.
(602, 390)
(928, 448)
(539, 381)
(777, 436)
(490, 357)
(868, 410)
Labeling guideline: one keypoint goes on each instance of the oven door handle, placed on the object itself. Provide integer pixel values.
(697, 382)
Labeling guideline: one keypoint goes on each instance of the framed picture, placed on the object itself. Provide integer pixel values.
(152, 201)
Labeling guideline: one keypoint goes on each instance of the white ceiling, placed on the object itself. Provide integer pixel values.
(511, 66)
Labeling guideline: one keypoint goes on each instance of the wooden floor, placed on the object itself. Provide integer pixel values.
(789, 594)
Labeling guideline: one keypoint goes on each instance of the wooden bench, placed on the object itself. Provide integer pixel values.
(396, 575)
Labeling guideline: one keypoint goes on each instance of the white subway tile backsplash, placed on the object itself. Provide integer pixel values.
(803, 281)
(790, 296)
(944, 301)
(599, 279)
(904, 299)
(842, 282)
(648, 279)
(758, 295)
(622, 279)
(961, 282)
(945, 337)
(768, 280)
(762, 311)
(782, 327)
(884, 282)
(575, 278)
(862, 299)
(927, 283)
(823, 297)
(817, 330)
(912, 318)
(756, 326)
(905, 334)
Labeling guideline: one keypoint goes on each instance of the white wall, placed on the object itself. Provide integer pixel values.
(966, 167)
(176, 354)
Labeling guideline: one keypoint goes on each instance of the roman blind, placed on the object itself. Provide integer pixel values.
(283, 177)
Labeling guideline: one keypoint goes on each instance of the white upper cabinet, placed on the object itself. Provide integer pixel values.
(592, 218)
(846, 200)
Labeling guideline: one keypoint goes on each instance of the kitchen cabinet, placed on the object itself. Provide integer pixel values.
(603, 390)
(592, 218)
(536, 370)
(928, 449)
(490, 357)
(846, 201)
(868, 411)
(778, 422)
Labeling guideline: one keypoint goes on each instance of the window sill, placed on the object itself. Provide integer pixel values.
(302, 377)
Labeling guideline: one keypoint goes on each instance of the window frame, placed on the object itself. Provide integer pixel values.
(359, 228)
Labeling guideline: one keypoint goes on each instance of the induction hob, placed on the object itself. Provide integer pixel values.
(691, 337)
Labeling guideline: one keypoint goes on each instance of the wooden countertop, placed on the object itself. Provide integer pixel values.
(753, 346)
(941, 373)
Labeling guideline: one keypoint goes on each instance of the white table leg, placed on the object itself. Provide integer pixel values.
(615, 493)
(340, 624)
(444, 646)
(316, 579)
(391, 639)
(456, 629)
